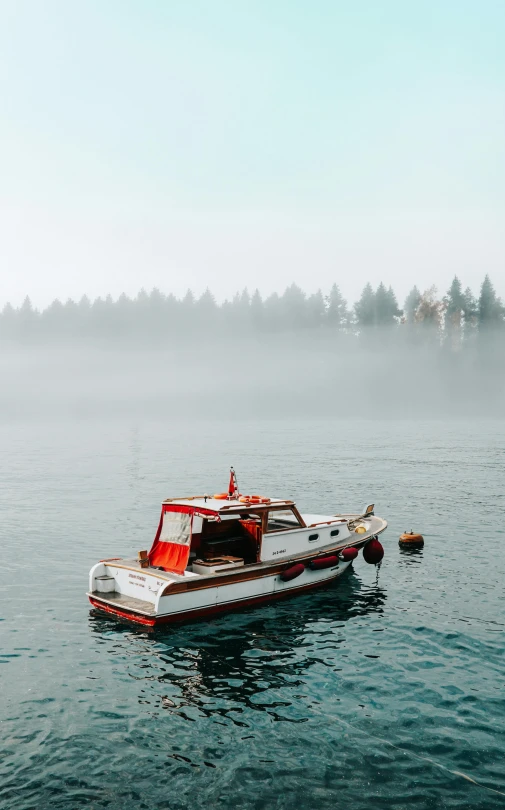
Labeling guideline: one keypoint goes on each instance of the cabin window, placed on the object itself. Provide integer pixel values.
(313, 537)
(334, 532)
(282, 519)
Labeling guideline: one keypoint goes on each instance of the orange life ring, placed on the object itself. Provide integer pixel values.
(259, 499)
(245, 499)
(221, 496)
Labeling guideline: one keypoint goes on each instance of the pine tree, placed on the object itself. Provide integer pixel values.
(382, 313)
(454, 300)
(8, 322)
(336, 309)
(490, 308)
(316, 310)
(84, 315)
(293, 304)
(123, 313)
(27, 318)
(411, 305)
(365, 308)
(454, 303)
(396, 312)
(52, 319)
(386, 306)
(272, 311)
(187, 311)
(257, 314)
(207, 310)
(245, 300)
(470, 313)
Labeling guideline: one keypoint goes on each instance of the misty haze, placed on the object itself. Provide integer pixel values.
(293, 354)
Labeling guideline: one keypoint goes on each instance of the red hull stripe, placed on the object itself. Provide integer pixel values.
(207, 611)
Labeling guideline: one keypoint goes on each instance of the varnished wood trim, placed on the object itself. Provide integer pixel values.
(298, 515)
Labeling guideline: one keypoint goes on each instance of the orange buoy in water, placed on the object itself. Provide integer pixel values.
(411, 539)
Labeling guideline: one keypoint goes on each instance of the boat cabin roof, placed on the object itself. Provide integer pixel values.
(233, 505)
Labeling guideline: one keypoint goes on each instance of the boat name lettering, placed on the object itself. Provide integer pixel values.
(281, 551)
(137, 576)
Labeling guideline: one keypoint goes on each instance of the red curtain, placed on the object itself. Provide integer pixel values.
(172, 556)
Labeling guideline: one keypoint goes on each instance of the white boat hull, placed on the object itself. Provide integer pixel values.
(193, 604)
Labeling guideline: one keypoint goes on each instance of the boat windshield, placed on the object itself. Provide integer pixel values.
(282, 519)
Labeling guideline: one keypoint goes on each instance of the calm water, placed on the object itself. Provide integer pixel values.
(379, 691)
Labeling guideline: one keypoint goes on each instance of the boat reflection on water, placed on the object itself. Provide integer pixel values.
(227, 665)
(411, 555)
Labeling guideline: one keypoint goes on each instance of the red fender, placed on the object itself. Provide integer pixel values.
(349, 554)
(323, 562)
(292, 572)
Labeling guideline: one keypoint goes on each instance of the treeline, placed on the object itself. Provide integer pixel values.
(454, 319)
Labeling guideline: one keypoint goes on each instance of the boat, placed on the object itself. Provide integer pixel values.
(228, 551)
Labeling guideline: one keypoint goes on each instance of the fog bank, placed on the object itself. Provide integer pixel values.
(274, 377)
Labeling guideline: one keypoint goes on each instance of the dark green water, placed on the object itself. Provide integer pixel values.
(371, 693)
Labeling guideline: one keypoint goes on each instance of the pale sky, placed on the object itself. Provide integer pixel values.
(233, 143)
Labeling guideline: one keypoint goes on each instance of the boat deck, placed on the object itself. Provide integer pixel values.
(119, 600)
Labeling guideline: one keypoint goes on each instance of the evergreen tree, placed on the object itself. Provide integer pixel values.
(27, 318)
(411, 305)
(272, 311)
(470, 312)
(386, 306)
(365, 308)
(395, 310)
(207, 301)
(8, 322)
(382, 306)
(245, 301)
(157, 315)
(188, 307)
(84, 315)
(454, 303)
(454, 300)
(52, 319)
(206, 311)
(257, 314)
(124, 309)
(490, 308)
(316, 310)
(336, 309)
(142, 298)
(244, 309)
(293, 303)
